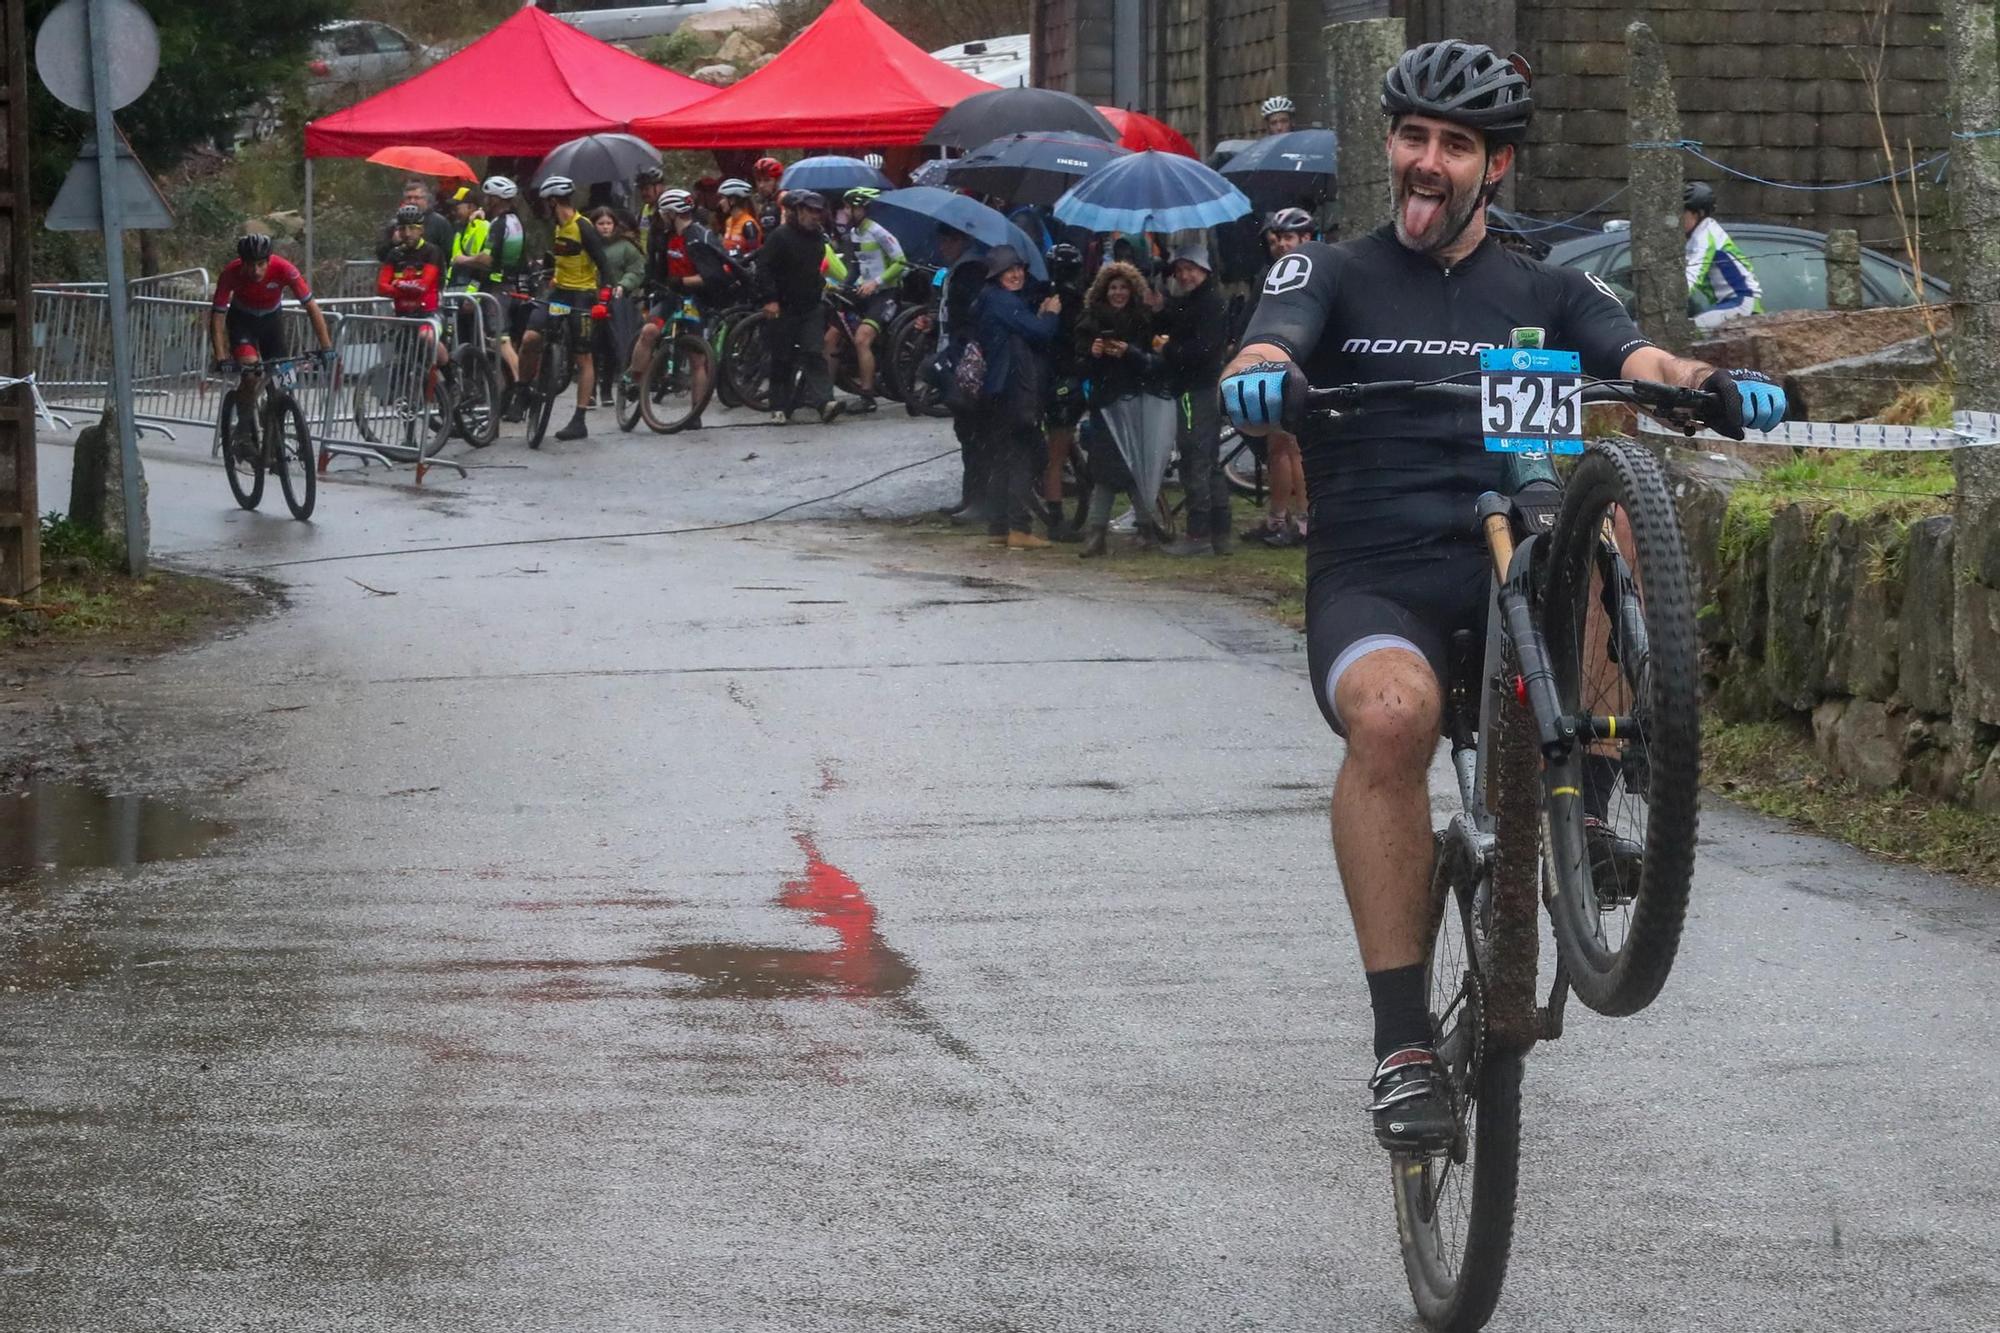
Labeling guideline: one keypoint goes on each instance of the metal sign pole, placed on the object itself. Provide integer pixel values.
(98, 25)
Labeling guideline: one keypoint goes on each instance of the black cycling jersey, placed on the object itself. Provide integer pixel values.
(1401, 481)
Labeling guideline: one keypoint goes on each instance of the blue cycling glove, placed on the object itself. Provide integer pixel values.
(1745, 400)
(1270, 393)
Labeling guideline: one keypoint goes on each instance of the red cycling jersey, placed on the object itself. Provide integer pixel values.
(678, 263)
(410, 278)
(236, 289)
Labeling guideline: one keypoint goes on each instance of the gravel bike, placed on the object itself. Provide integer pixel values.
(275, 437)
(1575, 739)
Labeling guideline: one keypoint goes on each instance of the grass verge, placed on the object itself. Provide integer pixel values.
(85, 608)
(1772, 768)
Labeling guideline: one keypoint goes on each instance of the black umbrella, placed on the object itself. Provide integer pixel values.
(1285, 170)
(984, 117)
(598, 158)
(1035, 168)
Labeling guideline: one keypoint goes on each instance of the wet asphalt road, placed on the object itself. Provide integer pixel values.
(779, 929)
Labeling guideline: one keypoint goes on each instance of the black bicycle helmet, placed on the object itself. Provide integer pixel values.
(1289, 219)
(1464, 82)
(1698, 197)
(1065, 261)
(252, 247)
(410, 215)
(650, 175)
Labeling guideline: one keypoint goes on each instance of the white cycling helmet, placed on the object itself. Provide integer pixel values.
(1274, 105)
(734, 188)
(556, 187)
(676, 201)
(500, 187)
(874, 160)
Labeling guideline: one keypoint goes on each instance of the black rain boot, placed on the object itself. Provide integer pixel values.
(576, 429)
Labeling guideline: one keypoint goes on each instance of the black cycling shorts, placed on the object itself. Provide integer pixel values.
(263, 334)
(878, 310)
(579, 303)
(1415, 605)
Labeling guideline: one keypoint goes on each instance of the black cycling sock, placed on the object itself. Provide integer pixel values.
(1401, 1016)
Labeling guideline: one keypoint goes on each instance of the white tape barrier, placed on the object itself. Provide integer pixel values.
(1968, 430)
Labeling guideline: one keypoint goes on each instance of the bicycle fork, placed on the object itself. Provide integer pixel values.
(1517, 1018)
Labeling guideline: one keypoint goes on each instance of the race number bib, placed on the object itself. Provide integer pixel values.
(1531, 401)
(558, 308)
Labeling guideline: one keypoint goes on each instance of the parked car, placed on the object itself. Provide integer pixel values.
(623, 21)
(1002, 61)
(353, 58)
(1790, 263)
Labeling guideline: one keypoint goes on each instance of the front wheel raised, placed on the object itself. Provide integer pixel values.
(1619, 621)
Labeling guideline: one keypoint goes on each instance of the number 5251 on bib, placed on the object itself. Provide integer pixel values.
(1531, 401)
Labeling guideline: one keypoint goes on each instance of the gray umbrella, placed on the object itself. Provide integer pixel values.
(984, 117)
(597, 158)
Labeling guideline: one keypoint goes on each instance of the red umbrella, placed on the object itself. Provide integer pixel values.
(423, 161)
(1139, 131)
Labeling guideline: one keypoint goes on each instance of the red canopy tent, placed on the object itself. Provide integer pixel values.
(530, 84)
(1139, 131)
(848, 81)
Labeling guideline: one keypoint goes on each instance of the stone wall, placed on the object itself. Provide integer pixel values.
(1848, 622)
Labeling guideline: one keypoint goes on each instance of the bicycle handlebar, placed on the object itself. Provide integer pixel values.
(1665, 399)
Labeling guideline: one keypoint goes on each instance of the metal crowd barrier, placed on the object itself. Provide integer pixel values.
(356, 278)
(383, 409)
(373, 410)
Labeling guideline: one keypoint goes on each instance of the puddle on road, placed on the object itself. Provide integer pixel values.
(59, 826)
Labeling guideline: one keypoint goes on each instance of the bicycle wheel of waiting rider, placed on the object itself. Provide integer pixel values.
(893, 375)
(242, 460)
(1242, 464)
(1619, 617)
(1455, 1210)
(291, 452)
(718, 341)
(477, 411)
(912, 351)
(746, 363)
(678, 383)
(554, 379)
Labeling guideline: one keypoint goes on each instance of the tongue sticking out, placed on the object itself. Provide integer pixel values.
(1420, 211)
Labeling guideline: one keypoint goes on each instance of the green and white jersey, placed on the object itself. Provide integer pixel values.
(1718, 270)
(878, 253)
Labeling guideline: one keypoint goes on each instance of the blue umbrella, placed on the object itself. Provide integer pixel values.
(832, 174)
(1281, 170)
(1151, 191)
(1031, 168)
(913, 216)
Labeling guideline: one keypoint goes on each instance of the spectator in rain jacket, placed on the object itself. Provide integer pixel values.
(1016, 340)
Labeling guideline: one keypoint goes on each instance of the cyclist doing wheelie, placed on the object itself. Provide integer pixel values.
(580, 278)
(244, 325)
(1395, 566)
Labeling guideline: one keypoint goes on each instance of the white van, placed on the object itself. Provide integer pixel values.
(623, 21)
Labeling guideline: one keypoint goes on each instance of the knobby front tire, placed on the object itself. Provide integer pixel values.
(679, 380)
(1619, 620)
(246, 473)
(291, 451)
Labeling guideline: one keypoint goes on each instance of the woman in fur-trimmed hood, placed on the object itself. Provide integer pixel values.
(1131, 423)
(1114, 335)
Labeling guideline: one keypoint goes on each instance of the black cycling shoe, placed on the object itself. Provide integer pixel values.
(1412, 1107)
(1615, 863)
(575, 430)
(830, 412)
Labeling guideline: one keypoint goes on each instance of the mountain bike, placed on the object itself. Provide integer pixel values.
(1575, 739)
(276, 438)
(557, 369)
(679, 379)
(474, 372)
